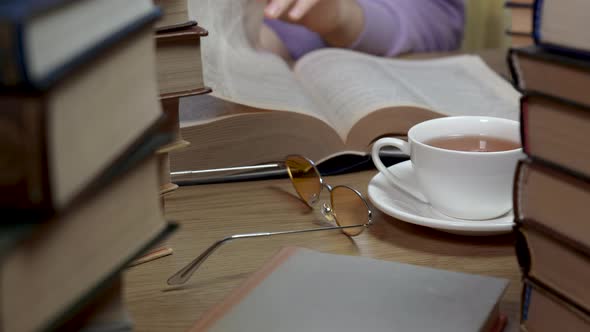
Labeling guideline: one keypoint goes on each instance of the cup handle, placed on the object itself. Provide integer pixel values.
(404, 147)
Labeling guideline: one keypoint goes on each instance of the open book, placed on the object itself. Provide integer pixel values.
(330, 102)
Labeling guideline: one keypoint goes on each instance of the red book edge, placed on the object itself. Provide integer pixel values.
(500, 324)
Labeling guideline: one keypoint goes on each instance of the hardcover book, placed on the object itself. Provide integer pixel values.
(552, 198)
(562, 25)
(48, 274)
(35, 52)
(179, 65)
(536, 70)
(556, 131)
(56, 143)
(552, 260)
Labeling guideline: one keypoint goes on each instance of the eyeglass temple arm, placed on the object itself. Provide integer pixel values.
(184, 274)
(229, 169)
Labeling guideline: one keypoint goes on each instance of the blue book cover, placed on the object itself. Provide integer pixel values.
(21, 19)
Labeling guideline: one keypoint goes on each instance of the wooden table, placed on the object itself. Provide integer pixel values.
(207, 213)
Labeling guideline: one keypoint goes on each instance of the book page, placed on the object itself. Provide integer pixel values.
(349, 85)
(234, 69)
(201, 109)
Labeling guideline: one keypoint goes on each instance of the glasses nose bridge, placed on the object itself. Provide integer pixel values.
(328, 212)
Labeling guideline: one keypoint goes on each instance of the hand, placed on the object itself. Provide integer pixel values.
(269, 41)
(339, 22)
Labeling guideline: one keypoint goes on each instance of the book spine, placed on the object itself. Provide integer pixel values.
(24, 176)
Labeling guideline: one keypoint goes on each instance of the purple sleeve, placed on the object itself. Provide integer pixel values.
(391, 27)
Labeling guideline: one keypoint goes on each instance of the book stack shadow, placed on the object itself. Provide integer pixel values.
(552, 184)
(180, 75)
(80, 124)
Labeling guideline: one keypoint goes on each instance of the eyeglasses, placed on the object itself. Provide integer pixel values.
(348, 209)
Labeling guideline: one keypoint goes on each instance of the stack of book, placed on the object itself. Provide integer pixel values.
(179, 72)
(552, 186)
(80, 123)
(519, 14)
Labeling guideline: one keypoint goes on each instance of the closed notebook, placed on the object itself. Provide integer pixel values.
(304, 290)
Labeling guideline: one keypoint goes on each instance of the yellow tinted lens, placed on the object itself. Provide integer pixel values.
(350, 209)
(305, 178)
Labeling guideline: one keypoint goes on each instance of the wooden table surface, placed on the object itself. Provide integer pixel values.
(207, 213)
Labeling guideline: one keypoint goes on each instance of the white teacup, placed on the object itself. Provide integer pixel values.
(460, 184)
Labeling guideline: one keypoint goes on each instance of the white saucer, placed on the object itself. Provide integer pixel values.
(396, 203)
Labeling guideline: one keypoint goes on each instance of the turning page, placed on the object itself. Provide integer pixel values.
(349, 85)
(232, 66)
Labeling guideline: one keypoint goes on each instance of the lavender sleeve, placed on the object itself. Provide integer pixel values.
(391, 27)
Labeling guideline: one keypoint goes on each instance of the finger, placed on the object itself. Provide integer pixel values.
(276, 8)
(300, 8)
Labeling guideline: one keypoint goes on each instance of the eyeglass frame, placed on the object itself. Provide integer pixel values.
(184, 274)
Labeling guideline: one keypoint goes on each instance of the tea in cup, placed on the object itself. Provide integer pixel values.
(464, 165)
